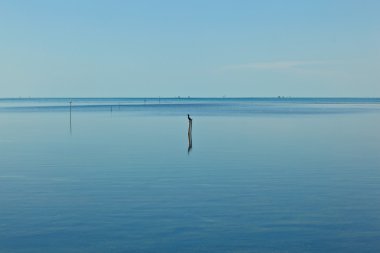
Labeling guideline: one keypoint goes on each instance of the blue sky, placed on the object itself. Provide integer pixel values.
(190, 48)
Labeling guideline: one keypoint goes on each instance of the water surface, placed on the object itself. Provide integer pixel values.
(264, 175)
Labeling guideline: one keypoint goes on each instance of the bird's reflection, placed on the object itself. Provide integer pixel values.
(190, 143)
(189, 134)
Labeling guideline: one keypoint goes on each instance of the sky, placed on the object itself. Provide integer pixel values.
(198, 48)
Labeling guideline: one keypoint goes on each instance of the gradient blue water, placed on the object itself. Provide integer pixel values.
(264, 175)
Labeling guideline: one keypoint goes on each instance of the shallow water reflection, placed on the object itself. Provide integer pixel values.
(264, 183)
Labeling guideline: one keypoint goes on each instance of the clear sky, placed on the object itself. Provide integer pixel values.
(248, 48)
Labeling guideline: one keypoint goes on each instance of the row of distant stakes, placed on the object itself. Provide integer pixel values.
(189, 131)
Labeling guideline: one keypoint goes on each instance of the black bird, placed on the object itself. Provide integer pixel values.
(188, 116)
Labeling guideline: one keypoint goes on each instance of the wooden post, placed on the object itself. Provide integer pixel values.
(189, 134)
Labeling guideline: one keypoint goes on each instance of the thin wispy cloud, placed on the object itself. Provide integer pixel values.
(274, 65)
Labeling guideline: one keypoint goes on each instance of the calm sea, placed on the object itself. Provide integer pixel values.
(118, 175)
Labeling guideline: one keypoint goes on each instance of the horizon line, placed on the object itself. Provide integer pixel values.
(187, 97)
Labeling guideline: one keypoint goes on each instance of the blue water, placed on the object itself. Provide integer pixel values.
(198, 106)
(263, 175)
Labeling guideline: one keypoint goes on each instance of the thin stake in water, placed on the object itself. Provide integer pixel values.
(70, 118)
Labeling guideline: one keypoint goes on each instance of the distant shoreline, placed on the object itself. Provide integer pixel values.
(188, 97)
